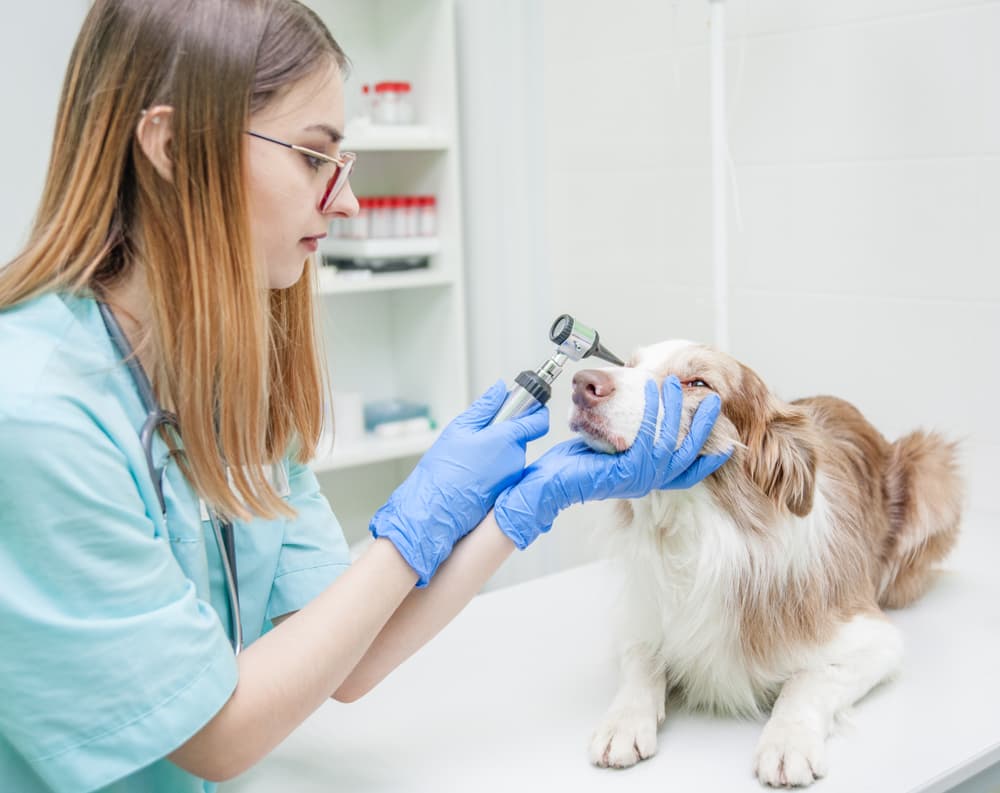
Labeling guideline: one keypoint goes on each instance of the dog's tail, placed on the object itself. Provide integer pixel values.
(924, 496)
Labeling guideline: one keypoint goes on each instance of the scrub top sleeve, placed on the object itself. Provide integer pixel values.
(314, 551)
(108, 660)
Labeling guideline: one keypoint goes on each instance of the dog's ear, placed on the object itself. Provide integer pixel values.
(783, 462)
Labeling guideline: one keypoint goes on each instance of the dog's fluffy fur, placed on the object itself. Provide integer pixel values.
(763, 586)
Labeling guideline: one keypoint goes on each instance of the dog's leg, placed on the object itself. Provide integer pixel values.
(628, 732)
(792, 750)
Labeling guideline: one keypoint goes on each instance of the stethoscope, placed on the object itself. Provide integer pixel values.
(157, 418)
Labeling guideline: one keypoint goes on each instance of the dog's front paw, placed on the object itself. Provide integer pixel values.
(790, 755)
(626, 737)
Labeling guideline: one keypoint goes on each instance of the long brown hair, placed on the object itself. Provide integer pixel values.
(237, 362)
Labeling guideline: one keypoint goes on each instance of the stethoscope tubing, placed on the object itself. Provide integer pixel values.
(155, 418)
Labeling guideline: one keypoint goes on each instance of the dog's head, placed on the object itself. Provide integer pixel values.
(774, 443)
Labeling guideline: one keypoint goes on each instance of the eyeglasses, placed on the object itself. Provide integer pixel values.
(341, 170)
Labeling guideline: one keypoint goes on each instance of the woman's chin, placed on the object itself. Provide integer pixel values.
(287, 276)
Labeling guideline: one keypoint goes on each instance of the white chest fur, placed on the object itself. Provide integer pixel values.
(685, 562)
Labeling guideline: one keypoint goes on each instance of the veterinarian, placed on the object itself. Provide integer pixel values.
(161, 393)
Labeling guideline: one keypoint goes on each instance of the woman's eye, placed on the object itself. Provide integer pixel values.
(314, 162)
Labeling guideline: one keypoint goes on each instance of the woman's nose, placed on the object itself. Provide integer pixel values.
(591, 387)
(345, 203)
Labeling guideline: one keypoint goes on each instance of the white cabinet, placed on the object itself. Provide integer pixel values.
(396, 335)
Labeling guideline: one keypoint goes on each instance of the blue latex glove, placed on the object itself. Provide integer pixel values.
(571, 472)
(456, 482)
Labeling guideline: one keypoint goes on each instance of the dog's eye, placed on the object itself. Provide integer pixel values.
(695, 382)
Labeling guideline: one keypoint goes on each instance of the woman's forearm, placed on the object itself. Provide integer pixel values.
(287, 673)
(426, 611)
(345, 641)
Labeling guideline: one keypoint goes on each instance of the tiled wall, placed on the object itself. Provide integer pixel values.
(864, 256)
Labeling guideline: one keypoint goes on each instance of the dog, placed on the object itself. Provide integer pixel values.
(762, 588)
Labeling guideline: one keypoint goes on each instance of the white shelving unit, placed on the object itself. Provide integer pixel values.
(375, 450)
(331, 283)
(413, 137)
(395, 334)
(413, 246)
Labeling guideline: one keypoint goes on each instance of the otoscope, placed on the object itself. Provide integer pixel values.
(573, 341)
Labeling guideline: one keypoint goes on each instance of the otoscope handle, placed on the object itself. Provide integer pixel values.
(528, 390)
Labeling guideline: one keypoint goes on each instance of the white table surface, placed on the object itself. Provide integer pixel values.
(506, 696)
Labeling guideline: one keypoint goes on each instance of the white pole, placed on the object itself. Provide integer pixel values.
(720, 148)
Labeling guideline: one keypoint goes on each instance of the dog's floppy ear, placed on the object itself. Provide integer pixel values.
(783, 463)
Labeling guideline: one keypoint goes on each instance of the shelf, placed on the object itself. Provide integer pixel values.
(375, 450)
(394, 332)
(390, 248)
(332, 282)
(386, 137)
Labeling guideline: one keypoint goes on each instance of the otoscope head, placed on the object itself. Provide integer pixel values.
(577, 341)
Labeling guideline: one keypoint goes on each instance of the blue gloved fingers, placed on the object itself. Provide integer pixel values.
(558, 457)
(457, 481)
(528, 426)
(701, 428)
(640, 456)
(646, 436)
(572, 447)
(702, 467)
(482, 411)
(670, 424)
(622, 466)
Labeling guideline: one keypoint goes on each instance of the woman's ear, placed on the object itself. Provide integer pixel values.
(154, 133)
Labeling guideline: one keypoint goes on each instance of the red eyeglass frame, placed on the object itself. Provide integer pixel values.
(343, 165)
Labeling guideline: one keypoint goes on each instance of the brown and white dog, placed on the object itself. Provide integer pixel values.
(762, 587)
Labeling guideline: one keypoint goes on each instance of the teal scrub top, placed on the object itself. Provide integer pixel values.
(114, 645)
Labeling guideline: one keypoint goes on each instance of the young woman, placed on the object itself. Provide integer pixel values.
(160, 395)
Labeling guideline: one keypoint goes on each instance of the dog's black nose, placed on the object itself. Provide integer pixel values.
(591, 387)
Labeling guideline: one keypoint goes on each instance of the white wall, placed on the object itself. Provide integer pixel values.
(866, 141)
(863, 258)
(509, 289)
(35, 43)
(503, 178)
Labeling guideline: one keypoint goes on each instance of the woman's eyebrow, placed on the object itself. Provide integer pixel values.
(335, 134)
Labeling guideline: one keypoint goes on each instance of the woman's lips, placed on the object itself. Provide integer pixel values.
(312, 243)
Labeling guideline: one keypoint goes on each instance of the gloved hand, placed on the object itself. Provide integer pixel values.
(571, 472)
(456, 482)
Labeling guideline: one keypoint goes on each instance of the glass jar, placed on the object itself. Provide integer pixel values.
(379, 225)
(411, 216)
(359, 223)
(392, 103)
(427, 216)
